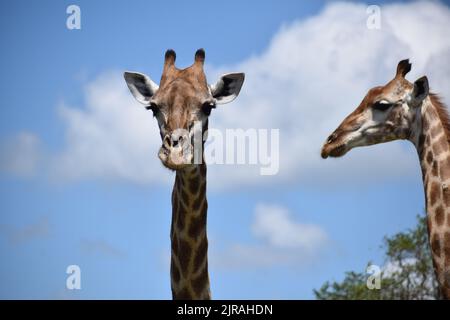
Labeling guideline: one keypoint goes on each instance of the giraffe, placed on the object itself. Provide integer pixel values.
(181, 105)
(404, 110)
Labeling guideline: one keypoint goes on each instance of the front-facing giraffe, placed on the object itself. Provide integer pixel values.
(402, 110)
(182, 104)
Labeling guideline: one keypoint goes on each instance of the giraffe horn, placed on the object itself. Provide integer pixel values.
(169, 58)
(200, 57)
(403, 68)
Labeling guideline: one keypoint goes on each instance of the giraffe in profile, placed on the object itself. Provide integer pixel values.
(182, 104)
(404, 110)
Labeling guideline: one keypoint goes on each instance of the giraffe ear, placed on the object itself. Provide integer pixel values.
(227, 88)
(141, 86)
(421, 90)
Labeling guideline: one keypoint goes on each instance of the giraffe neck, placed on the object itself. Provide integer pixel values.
(189, 262)
(432, 143)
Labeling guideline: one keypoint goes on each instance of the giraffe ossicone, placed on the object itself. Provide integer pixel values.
(404, 110)
(181, 104)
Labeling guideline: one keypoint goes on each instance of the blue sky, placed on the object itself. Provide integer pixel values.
(115, 226)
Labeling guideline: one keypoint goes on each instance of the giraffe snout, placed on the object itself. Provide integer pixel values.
(332, 137)
(333, 146)
(176, 150)
(174, 139)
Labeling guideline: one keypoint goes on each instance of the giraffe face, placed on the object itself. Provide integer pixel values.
(385, 114)
(182, 105)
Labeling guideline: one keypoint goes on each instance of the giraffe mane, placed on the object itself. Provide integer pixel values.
(442, 112)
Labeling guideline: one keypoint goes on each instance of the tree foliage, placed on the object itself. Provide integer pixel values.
(407, 273)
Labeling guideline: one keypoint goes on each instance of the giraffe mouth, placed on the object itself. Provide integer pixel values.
(333, 151)
(175, 158)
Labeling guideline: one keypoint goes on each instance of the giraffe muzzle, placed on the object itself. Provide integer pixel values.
(334, 147)
(176, 150)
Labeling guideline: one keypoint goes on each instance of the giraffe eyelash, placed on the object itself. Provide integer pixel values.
(382, 105)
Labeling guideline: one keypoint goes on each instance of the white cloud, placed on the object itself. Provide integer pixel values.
(274, 225)
(111, 137)
(21, 154)
(316, 71)
(312, 74)
(282, 241)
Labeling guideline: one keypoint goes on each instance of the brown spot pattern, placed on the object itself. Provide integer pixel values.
(429, 224)
(435, 131)
(439, 146)
(181, 217)
(184, 255)
(182, 294)
(201, 254)
(434, 169)
(429, 157)
(197, 225)
(439, 215)
(199, 283)
(174, 272)
(174, 242)
(436, 245)
(445, 170)
(184, 197)
(446, 194)
(175, 203)
(434, 192)
(447, 248)
(198, 202)
(194, 184)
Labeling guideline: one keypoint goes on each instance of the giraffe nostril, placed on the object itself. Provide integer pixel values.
(331, 138)
(167, 142)
(176, 139)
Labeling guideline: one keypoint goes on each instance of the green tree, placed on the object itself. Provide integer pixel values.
(407, 272)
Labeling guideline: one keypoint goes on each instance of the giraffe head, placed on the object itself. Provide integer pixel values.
(182, 104)
(386, 113)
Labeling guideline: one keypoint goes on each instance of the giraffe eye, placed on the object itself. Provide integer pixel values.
(207, 107)
(154, 107)
(382, 105)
